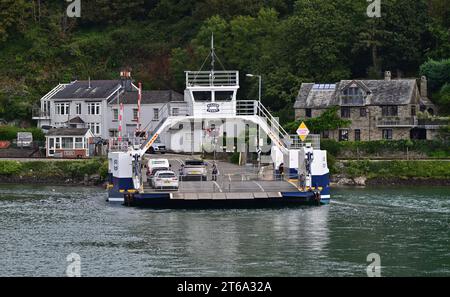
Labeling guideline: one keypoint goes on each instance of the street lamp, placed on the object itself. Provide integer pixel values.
(260, 84)
(258, 112)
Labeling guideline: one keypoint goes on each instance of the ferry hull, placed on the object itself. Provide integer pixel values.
(166, 201)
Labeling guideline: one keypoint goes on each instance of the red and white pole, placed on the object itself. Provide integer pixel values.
(139, 108)
(120, 122)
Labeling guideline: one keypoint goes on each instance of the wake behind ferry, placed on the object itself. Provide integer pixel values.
(300, 172)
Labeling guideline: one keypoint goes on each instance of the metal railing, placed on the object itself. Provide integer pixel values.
(212, 78)
(38, 113)
(312, 139)
(396, 122)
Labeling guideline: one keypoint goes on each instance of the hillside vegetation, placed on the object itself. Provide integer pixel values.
(288, 42)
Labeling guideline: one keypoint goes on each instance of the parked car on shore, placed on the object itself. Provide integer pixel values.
(165, 180)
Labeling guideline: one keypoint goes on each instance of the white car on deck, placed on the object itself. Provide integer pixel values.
(165, 180)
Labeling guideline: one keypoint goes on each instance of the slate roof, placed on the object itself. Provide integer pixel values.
(152, 97)
(76, 120)
(67, 132)
(99, 89)
(381, 92)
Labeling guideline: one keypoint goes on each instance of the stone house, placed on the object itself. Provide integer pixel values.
(378, 109)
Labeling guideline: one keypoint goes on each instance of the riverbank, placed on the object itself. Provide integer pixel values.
(77, 172)
(343, 173)
(395, 172)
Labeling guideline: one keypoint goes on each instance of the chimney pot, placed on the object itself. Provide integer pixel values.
(387, 75)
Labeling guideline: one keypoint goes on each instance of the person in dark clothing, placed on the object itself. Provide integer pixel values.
(281, 171)
(215, 172)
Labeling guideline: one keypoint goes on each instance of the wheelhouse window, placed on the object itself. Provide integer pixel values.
(115, 114)
(135, 114)
(387, 134)
(62, 108)
(343, 135)
(223, 95)
(389, 111)
(352, 96)
(94, 108)
(175, 111)
(202, 96)
(155, 114)
(345, 112)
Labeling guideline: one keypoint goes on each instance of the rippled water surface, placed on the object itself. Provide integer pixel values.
(408, 227)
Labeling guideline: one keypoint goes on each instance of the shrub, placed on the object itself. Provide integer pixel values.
(9, 168)
(9, 133)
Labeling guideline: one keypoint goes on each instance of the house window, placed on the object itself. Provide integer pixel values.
(67, 142)
(62, 108)
(95, 128)
(387, 134)
(343, 135)
(135, 114)
(326, 134)
(79, 143)
(308, 112)
(363, 112)
(345, 112)
(389, 111)
(155, 114)
(175, 111)
(352, 96)
(357, 135)
(413, 111)
(94, 108)
(78, 108)
(57, 143)
(115, 114)
(113, 133)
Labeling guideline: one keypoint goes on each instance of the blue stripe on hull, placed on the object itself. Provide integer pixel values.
(124, 184)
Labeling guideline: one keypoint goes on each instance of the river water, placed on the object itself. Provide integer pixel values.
(408, 227)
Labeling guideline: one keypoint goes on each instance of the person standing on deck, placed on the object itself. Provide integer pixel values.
(281, 171)
(215, 172)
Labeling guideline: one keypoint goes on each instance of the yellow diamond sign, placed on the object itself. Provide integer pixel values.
(303, 131)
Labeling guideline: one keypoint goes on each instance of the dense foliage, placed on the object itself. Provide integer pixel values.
(397, 169)
(286, 41)
(387, 148)
(55, 169)
(9, 133)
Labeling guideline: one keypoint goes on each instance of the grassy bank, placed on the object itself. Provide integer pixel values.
(53, 171)
(394, 169)
(388, 148)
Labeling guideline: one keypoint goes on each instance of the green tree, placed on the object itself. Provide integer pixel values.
(329, 120)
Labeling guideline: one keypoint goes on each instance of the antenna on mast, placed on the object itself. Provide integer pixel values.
(213, 54)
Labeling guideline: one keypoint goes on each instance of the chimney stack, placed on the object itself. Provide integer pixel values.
(387, 75)
(125, 77)
(423, 87)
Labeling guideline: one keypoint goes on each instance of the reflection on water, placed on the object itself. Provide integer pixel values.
(40, 226)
